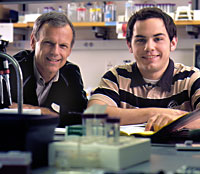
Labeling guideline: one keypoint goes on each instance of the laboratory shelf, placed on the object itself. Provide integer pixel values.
(187, 22)
(109, 24)
(45, 1)
(103, 24)
(76, 24)
(22, 25)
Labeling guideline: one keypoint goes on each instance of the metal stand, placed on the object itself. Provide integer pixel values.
(19, 78)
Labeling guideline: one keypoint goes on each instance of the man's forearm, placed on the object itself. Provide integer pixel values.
(141, 115)
(127, 116)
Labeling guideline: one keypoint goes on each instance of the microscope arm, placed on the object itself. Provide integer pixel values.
(19, 80)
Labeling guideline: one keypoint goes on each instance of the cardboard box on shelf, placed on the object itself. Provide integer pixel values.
(196, 15)
(8, 15)
(4, 13)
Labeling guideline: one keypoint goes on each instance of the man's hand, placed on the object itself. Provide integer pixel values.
(156, 118)
(162, 117)
(44, 111)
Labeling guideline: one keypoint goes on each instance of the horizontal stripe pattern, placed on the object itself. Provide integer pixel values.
(133, 100)
(184, 93)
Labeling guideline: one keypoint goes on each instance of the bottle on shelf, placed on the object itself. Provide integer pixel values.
(190, 4)
(60, 9)
(99, 12)
(45, 9)
(51, 9)
(88, 5)
(96, 12)
(92, 13)
(129, 9)
(110, 12)
(114, 18)
(72, 11)
(81, 13)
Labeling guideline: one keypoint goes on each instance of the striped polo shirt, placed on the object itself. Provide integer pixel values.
(123, 86)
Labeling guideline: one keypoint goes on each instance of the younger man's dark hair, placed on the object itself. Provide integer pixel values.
(147, 13)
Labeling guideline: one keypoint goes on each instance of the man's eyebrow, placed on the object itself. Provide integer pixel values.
(64, 43)
(139, 36)
(159, 34)
(155, 35)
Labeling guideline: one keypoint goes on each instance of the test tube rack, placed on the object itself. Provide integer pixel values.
(184, 13)
(115, 157)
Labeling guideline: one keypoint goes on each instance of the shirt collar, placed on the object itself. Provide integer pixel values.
(39, 78)
(165, 81)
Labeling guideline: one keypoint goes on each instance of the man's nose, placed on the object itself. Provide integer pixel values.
(55, 49)
(150, 45)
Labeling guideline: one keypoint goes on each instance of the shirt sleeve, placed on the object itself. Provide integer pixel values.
(195, 90)
(108, 90)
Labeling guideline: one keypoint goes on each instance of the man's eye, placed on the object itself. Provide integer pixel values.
(48, 43)
(64, 46)
(158, 39)
(140, 41)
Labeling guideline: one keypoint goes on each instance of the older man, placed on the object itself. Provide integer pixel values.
(50, 82)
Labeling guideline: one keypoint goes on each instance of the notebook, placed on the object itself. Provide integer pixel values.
(173, 131)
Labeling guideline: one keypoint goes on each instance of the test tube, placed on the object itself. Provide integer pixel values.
(88, 124)
(112, 130)
(88, 127)
(99, 127)
(99, 124)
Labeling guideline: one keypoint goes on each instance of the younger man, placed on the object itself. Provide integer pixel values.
(153, 89)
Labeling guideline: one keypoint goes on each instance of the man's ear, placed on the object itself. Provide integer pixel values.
(173, 43)
(32, 41)
(129, 47)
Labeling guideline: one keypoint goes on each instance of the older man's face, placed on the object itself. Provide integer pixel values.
(52, 48)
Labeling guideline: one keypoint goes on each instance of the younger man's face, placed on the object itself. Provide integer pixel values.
(151, 47)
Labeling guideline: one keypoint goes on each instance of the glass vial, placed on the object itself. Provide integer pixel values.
(99, 124)
(112, 130)
(88, 124)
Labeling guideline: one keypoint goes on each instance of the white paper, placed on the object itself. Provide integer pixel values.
(135, 128)
(25, 111)
(60, 131)
(6, 31)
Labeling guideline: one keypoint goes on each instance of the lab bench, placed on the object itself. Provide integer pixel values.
(163, 158)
